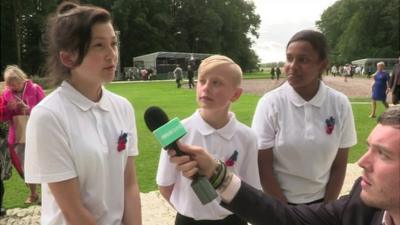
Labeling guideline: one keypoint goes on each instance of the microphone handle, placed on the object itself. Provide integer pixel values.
(203, 189)
(174, 146)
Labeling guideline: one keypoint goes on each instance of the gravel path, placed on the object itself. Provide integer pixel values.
(156, 211)
(354, 87)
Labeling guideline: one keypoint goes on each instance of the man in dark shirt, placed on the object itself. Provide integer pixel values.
(394, 83)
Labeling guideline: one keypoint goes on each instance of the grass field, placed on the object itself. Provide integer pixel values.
(180, 103)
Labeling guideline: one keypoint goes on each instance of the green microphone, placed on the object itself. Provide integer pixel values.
(167, 132)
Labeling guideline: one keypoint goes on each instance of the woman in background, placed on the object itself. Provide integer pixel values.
(20, 96)
(380, 88)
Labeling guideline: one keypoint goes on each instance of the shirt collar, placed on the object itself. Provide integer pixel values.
(298, 101)
(387, 219)
(83, 102)
(205, 129)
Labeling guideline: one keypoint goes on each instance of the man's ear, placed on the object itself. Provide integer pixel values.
(68, 59)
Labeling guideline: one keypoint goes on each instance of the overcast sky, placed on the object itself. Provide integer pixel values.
(280, 19)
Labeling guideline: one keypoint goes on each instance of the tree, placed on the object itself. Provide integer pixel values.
(361, 29)
(224, 27)
(144, 26)
(21, 31)
(8, 40)
(207, 26)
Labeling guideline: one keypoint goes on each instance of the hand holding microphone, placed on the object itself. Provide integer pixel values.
(205, 164)
(167, 133)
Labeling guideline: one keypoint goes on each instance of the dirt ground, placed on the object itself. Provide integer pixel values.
(354, 87)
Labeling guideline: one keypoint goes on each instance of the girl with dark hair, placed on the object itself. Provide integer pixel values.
(81, 139)
(304, 128)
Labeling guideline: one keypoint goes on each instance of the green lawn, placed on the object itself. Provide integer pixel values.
(180, 103)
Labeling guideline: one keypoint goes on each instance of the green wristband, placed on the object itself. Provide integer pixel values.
(216, 172)
(220, 176)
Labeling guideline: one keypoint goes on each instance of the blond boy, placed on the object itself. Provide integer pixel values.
(212, 126)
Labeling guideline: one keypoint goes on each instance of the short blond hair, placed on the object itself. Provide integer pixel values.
(14, 73)
(214, 61)
(380, 63)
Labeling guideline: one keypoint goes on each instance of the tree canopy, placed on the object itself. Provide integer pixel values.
(354, 29)
(145, 26)
(358, 29)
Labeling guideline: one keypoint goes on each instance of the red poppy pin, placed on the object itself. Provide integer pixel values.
(122, 139)
(330, 124)
(231, 161)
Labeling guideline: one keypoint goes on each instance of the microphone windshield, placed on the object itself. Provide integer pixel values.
(155, 117)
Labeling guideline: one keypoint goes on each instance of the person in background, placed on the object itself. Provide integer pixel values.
(20, 96)
(272, 72)
(394, 83)
(178, 74)
(369, 71)
(358, 70)
(380, 88)
(151, 74)
(347, 72)
(215, 127)
(334, 70)
(352, 70)
(144, 73)
(277, 72)
(304, 128)
(5, 161)
(374, 198)
(190, 75)
(82, 139)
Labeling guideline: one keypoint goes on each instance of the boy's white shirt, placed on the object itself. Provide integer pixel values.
(221, 144)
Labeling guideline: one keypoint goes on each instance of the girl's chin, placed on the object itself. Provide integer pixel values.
(108, 79)
(293, 82)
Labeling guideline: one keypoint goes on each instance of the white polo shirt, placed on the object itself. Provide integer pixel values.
(221, 144)
(296, 130)
(70, 136)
